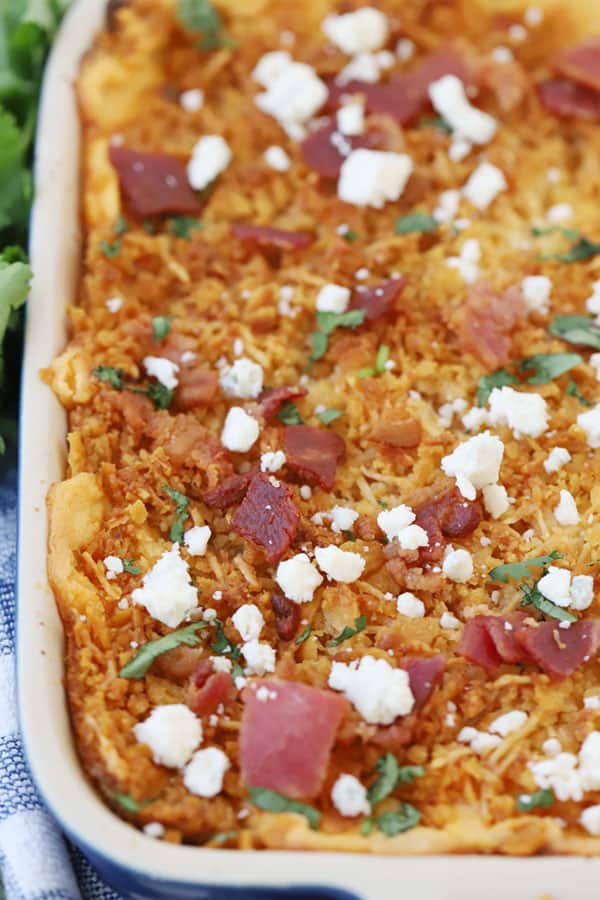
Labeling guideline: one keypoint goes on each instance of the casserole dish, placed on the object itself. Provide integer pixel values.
(136, 866)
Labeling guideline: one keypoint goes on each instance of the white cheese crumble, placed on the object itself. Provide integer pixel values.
(298, 578)
(349, 796)
(276, 158)
(204, 773)
(221, 664)
(560, 212)
(244, 379)
(211, 156)
(192, 100)
(410, 606)
(412, 537)
(582, 592)
(448, 205)
(333, 298)
(294, 92)
(570, 776)
(467, 262)
(405, 49)
(249, 621)
(379, 692)
(508, 722)
(260, 658)
(272, 461)
(479, 741)
(592, 303)
(355, 32)
(240, 430)
(557, 458)
(536, 291)
(342, 518)
(196, 539)
(590, 819)
(551, 747)
(502, 54)
(447, 620)
(172, 732)
(270, 66)
(167, 591)
(458, 150)
(566, 511)
(484, 185)
(350, 119)
(533, 16)
(555, 585)
(475, 463)
(591, 702)
(154, 830)
(373, 177)
(339, 565)
(590, 423)
(393, 521)
(523, 413)
(114, 566)
(457, 565)
(164, 370)
(114, 304)
(495, 500)
(450, 101)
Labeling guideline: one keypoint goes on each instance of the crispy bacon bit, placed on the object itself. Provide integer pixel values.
(198, 386)
(137, 410)
(153, 183)
(423, 675)
(272, 399)
(378, 300)
(476, 644)
(402, 434)
(204, 694)
(286, 736)
(485, 322)
(322, 155)
(399, 734)
(267, 516)
(180, 663)
(266, 236)
(229, 492)
(287, 616)
(581, 63)
(503, 631)
(448, 515)
(313, 453)
(577, 644)
(566, 98)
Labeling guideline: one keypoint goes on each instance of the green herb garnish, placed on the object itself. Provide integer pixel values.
(436, 122)
(521, 570)
(223, 645)
(272, 801)
(391, 774)
(487, 383)
(582, 249)
(221, 837)
(161, 325)
(416, 222)
(121, 226)
(182, 226)
(349, 535)
(328, 415)
(570, 233)
(383, 504)
(110, 250)
(396, 821)
(111, 376)
(359, 625)
(161, 396)
(539, 800)
(532, 596)
(576, 330)
(304, 636)
(573, 391)
(130, 567)
(350, 235)
(381, 359)
(181, 513)
(127, 802)
(289, 414)
(201, 16)
(328, 322)
(549, 365)
(143, 659)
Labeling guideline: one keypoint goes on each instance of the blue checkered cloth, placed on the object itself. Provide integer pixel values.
(35, 860)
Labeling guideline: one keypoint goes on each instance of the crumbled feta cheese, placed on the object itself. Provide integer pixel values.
(447, 620)
(196, 539)
(591, 702)
(474, 419)
(298, 578)
(372, 177)
(479, 741)
(448, 205)
(555, 585)
(495, 500)
(593, 302)
(533, 16)
(172, 732)
(467, 262)
(551, 747)
(240, 430)
(192, 100)
(276, 158)
(582, 591)
(502, 54)
(284, 307)
(294, 94)
(536, 293)
(560, 212)
(412, 537)
(517, 33)
(557, 458)
(447, 411)
(362, 67)
(221, 664)
(154, 830)
(114, 304)
(450, 101)
(393, 521)
(270, 66)
(458, 565)
(522, 412)
(238, 347)
(204, 773)
(305, 491)
(342, 518)
(590, 423)
(272, 461)
(458, 150)
(351, 119)
(559, 773)
(475, 463)
(508, 722)
(211, 156)
(260, 658)
(333, 298)
(164, 370)
(355, 32)
(553, 175)
(244, 379)
(405, 49)
(167, 591)
(249, 621)
(349, 796)
(379, 692)
(566, 511)
(114, 567)
(484, 185)
(339, 565)
(590, 819)
(410, 606)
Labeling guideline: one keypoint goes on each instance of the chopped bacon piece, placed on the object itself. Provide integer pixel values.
(272, 237)
(448, 515)
(272, 399)
(287, 616)
(400, 434)
(286, 737)
(137, 410)
(485, 322)
(198, 386)
(477, 646)
(567, 98)
(267, 516)
(503, 631)
(581, 63)
(314, 453)
(181, 662)
(229, 492)
(423, 675)
(205, 693)
(321, 154)
(559, 651)
(399, 734)
(378, 299)
(153, 183)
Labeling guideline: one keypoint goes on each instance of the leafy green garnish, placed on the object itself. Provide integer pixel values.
(360, 624)
(289, 414)
(383, 504)
(127, 802)
(580, 250)
(350, 235)
(272, 801)
(161, 325)
(201, 16)
(121, 226)
(109, 375)
(396, 821)
(223, 645)
(487, 383)
(573, 391)
(521, 570)
(348, 534)
(182, 226)
(576, 330)
(379, 368)
(416, 222)
(549, 365)
(221, 837)
(143, 659)
(15, 277)
(110, 250)
(130, 567)
(328, 415)
(182, 512)
(328, 322)
(391, 774)
(436, 122)
(570, 233)
(161, 396)
(532, 596)
(304, 636)
(539, 800)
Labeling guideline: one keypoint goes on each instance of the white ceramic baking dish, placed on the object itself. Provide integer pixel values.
(135, 864)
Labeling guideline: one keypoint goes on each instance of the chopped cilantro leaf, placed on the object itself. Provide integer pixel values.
(108, 375)
(576, 330)
(383, 504)
(143, 659)
(380, 361)
(391, 774)
(222, 644)
(416, 222)
(436, 122)
(487, 383)
(570, 233)
(181, 513)
(201, 16)
(127, 802)
(130, 567)
(161, 325)
(221, 837)
(161, 396)
(521, 570)
(328, 322)
(360, 624)
(121, 226)
(396, 821)
(349, 535)
(532, 596)
(182, 226)
(289, 414)
(328, 415)
(350, 236)
(581, 249)
(304, 636)
(272, 801)
(110, 250)
(539, 800)
(549, 365)
(573, 391)
(367, 826)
